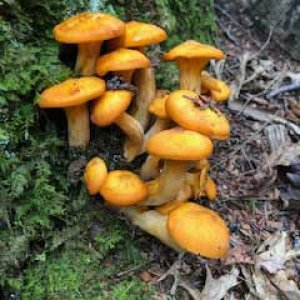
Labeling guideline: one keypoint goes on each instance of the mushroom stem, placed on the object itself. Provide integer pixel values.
(190, 74)
(171, 181)
(150, 168)
(126, 75)
(78, 125)
(86, 58)
(146, 87)
(134, 135)
(153, 223)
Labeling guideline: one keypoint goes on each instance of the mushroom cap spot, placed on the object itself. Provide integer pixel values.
(88, 27)
(199, 230)
(95, 175)
(123, 188)
(138, 34)
(183, 111)
(157, 107)
(110, 106)
(192, 49)
(74, 91)
(121, 60)
(179, 144)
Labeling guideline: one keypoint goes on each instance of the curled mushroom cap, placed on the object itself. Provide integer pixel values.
(138, 34)
(74, 91)
(218, 89)
(123, 188)
(88, 30)
(184, 108)
(199, 230)
(95, 175)
(180, 144)
(121, 60)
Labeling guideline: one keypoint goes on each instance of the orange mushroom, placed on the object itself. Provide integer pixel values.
(191, 58)
(186, 109)
(72, 95)
(177, 146)
(95, 175)
(111, 108)
(139, 35)
(123, 62)
(88, 30)
(199, 230)
(123, 188)
(217, 89)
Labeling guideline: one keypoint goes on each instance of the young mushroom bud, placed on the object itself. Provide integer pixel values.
(191, 58)
(111, 108)
(95, 175)
(72, 95)
(88, 30)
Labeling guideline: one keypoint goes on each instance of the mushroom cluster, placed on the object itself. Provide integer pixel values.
(176, 129)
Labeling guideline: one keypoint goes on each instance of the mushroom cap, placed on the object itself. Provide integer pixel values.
(74, 91)
(199, 230)
(95, 175)
(218, 89)
(88, 27)
(192, 49)
(138, 34)
(121, 60)
(123, 188)
(183, 111)
(157, 107)
(179, 144)
(110, 106)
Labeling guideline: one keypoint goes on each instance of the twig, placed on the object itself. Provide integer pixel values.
(283, 89)
(225, 13)
(226, 32)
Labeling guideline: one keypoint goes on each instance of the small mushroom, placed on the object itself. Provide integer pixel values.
(88, 30)
(199, 230)
(72, 95)
(137, 36)
(191, 58)
(123, 62)
(111, 108)
(95, 175)
(210, 189)
(217, 89)
(189, 111)
(123, 188)
(178, 147)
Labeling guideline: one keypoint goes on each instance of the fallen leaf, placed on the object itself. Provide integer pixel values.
(216, 289)
(273, 253)
(147, 277)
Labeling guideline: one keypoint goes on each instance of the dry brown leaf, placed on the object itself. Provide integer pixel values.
(216, 289)
(273, 253)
